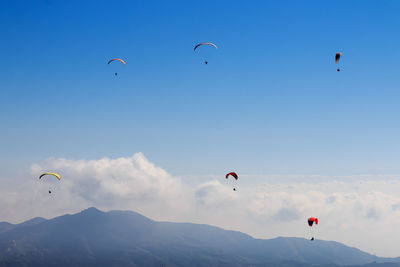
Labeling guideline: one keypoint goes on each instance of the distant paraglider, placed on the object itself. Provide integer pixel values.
(234, 175)
(116, 59)
(311, 221)
(50, 173)
(337, 58)
(200, 44)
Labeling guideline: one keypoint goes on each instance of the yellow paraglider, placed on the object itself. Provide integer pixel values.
(50, 173)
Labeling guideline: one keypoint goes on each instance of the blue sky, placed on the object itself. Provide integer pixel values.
(269, 101)
(305, 139)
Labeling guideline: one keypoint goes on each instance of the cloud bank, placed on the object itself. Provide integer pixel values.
(360, 211)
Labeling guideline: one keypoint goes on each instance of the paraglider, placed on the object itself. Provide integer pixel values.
(116, 59)
(200, 44)
(311, 221)
(234, 175)
(50, 173)
(337, 58)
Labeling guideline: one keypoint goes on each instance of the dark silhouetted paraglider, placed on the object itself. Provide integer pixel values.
(337, 58)
(200, 44)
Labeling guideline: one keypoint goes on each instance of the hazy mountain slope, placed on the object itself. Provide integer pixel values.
(124, 238)
(5, 226)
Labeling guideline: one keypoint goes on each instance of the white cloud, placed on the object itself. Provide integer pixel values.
(361, 211)
(122, 183)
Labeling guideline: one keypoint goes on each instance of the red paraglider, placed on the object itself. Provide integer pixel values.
(312, 220)
(233, 174)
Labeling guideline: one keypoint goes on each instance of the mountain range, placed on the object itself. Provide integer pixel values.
(126, 238)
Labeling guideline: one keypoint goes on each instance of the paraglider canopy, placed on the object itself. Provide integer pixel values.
(116, 59)
(233, 174)
(50, 173)
(200, 44)
(312, 220)
(337, 57)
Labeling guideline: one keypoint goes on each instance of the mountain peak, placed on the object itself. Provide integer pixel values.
(33, 221)
(132, 239)
(91, 210)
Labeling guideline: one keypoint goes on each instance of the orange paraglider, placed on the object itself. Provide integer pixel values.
(337, 58)
(116, 59)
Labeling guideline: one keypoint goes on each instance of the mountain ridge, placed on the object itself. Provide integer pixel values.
(127, 238)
